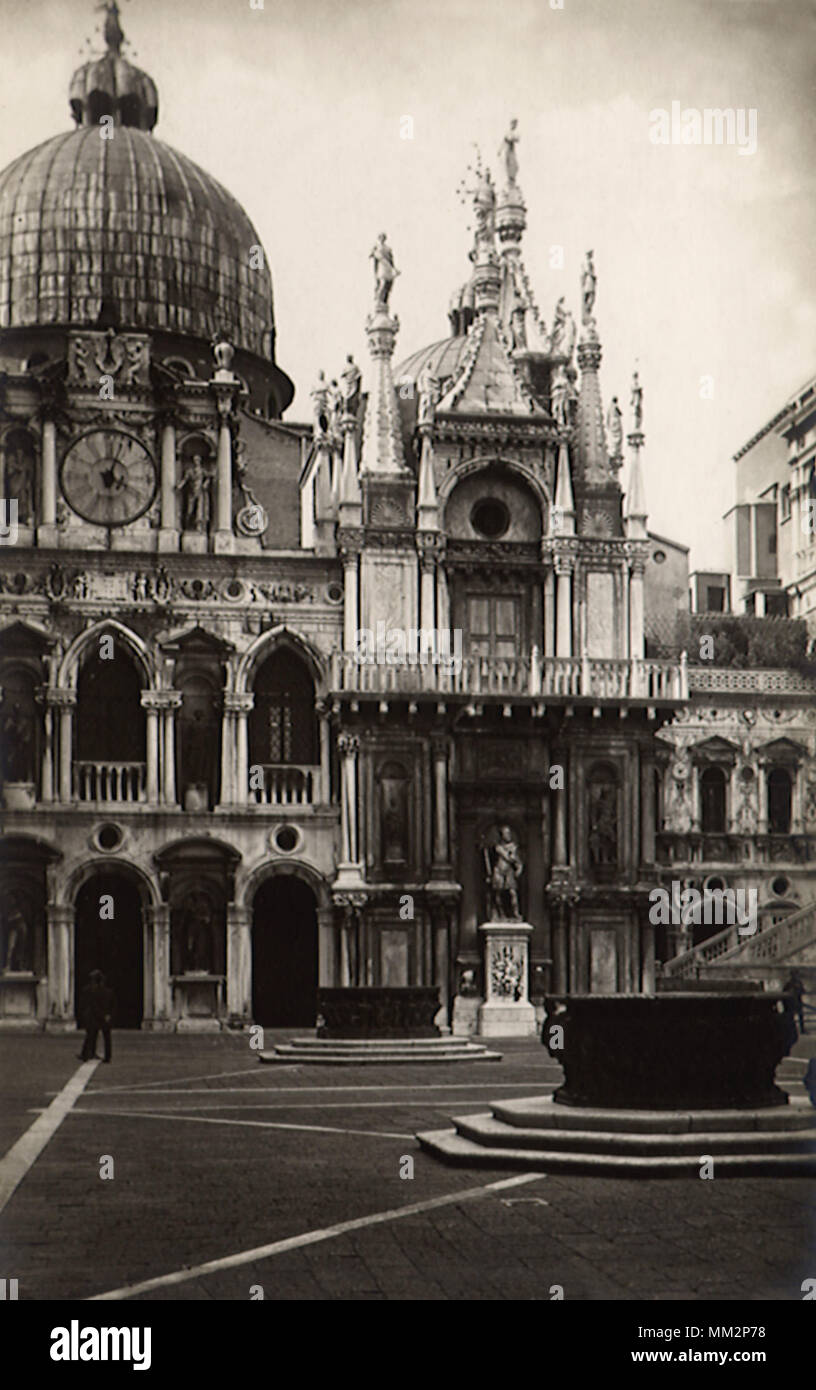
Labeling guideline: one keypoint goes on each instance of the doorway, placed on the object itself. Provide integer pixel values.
(111, 944)
(284, 954)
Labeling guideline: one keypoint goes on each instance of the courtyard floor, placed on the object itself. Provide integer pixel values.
(250, 1170)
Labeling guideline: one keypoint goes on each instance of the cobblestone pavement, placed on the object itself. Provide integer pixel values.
(215, 1155)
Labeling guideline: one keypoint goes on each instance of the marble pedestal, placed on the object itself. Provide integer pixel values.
(507, 1011)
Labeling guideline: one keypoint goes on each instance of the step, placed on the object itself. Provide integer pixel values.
(359, 1044)
(543, 1113)
(492, 1133)
(450, 1147)
(288, 1052)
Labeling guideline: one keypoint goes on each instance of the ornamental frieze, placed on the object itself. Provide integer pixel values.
(62, 583)
(123, 356)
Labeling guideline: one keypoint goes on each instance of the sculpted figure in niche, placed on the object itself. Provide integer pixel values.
(18, 937)
(198, 921)
(19, 480)
(503, 870)
(603, 823)
(393, 818)
(195, 485)
(18, 743)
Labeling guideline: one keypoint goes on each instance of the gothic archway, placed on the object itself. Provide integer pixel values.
(284, 953)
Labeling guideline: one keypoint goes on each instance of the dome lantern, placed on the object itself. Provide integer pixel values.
(113, 86)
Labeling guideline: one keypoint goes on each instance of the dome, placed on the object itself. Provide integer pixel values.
(129, 224)
(443, 359)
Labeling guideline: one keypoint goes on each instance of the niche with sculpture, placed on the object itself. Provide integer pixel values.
(603, 820)
(394, 821)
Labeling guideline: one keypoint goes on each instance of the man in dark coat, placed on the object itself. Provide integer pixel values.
(96, 1012)
(795, 987)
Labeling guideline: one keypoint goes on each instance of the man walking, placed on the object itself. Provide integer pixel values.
(96, 1013)
(795, 987)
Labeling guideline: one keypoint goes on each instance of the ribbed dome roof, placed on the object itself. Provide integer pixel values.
(443, 358)
(130, 224)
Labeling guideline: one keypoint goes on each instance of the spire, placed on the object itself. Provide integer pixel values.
(427, 500)
(112, 86)
(350, 509)
(562, 513)
(635, 512)
(383, 450)
(591, 436)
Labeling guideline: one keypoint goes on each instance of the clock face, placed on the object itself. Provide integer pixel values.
(108, 477)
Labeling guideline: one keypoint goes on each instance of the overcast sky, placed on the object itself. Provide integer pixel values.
(704, 256)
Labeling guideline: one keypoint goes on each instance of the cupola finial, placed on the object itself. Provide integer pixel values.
(114, 37)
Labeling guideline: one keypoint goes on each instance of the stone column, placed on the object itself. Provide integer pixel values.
(47, 529)
(159, 925)
(47, 760)
(647, 958)
(227, 796)
(636, 640)
(797, 820)
(348, 746)
(151, 705)
(171, 701)
(351, 601)
(427, 593)
(563, 605)
(65, 700)
(241, 705)
(647, 819)
(239, 964)
(549, 613)
(440, 820)
(762, 799)
(327, 948)
(60, 968)
(168, 532)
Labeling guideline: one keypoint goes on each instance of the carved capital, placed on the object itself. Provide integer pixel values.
(60, 696)
(238, 702)
(348, 745)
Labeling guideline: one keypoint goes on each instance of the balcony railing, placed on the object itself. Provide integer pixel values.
(534, 676)
(110, 782)
(766, 682)
(288, 784)
(774, 941)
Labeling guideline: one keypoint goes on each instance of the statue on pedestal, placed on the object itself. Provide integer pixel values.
(320, 404)
(19, 482)
(385, 271)
(428, 386)
(17, 744)
(614, 423)
(17, 952)
(351, 376)
(195, 485)
(637, 404)
(588, 287)
(503, 870)
(508, 152)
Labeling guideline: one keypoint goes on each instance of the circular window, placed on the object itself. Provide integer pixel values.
(334, 593)
(286, 839)
(780, 886)
(714, 884)
(109, 836)
(490, 518)
(659, 557)
(233, 589)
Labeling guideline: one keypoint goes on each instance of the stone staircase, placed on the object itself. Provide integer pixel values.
(538, 1135)
(774, 945)
(384, 1051)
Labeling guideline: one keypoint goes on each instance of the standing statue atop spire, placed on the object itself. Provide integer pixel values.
(508, 152)
(588, 286)
(320, 405)
(637, 405)
(428, 390)
(385, 271)
(484, 206)
(351, 376)
(614, 423)
(114, 38)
